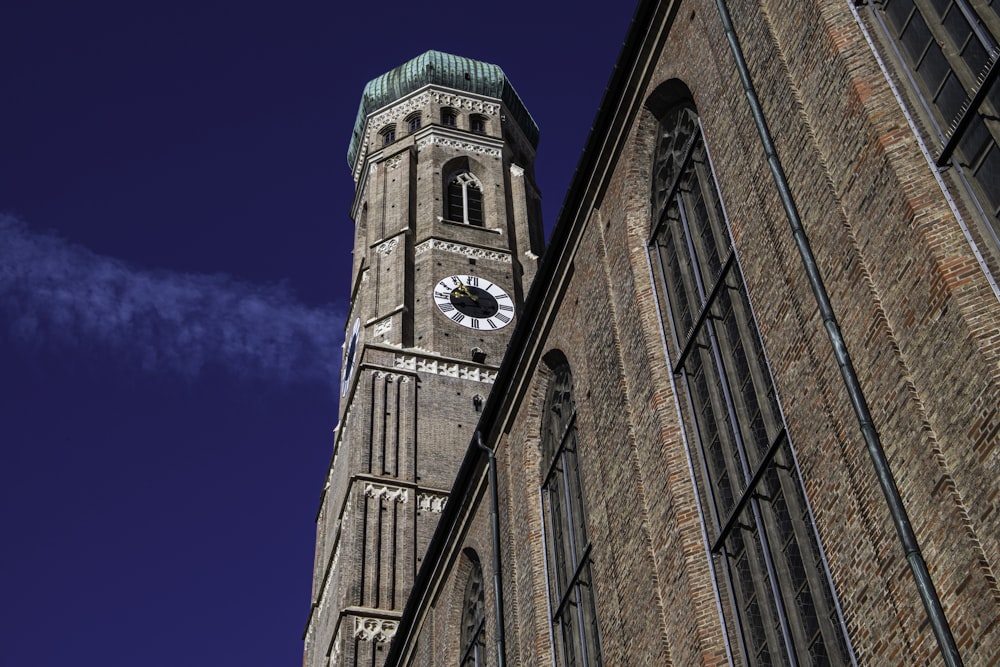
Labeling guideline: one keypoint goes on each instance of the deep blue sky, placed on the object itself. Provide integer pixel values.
(174, 258)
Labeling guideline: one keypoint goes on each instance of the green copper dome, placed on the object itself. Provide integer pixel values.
(445, 70)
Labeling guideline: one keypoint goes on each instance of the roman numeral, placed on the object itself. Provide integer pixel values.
(503, 318)
(504, 306)
(493, 325)
(473, 280)
(458, 317)
(442, 295)
(446, 307)
(503, 296)
(475, 323)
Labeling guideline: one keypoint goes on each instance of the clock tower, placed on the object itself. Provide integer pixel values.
(447, 237)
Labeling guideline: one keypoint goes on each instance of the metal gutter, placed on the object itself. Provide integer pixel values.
(555, 262)
(897, 510)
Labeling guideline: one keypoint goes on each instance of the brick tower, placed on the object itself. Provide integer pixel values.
(447, 236)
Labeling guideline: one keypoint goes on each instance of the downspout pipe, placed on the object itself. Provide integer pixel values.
(897, 510)
(497, 572)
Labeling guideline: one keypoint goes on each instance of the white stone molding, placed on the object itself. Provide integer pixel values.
(394, 161)
(431, 502)
(380, 120)
(397, 111)
(374, 629)
(390, 493)
(386, 247)
(467, 146)
(446, 368)
(383, 327)
(463, 102)
(468, 251)
(335, 653)
(516, 171)
(530, 255)
(372, 169)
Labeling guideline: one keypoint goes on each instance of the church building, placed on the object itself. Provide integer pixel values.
(743, 409)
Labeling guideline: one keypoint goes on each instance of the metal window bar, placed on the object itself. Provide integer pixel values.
(970, 107)
(573, 583)
(472, 650)
(704, 314)
(749, 491)
(556, 454)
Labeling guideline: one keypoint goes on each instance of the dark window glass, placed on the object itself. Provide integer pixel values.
(574, 613)
(473, 637)
(413, 123)
(948, 46)
(779, 606)
(449, 117)
(388, 135)
(464, 200)
(477, 124)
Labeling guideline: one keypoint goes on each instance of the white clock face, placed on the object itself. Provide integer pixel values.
(349, 358)
(474, 302)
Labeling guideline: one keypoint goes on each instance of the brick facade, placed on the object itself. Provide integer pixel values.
(915, 305)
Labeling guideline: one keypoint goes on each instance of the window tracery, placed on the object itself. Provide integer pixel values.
(464, 199)
(574, 611)
(473, 629)
(778, 604)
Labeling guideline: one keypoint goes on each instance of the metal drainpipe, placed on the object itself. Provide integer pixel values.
(925, 586)
(497, 575)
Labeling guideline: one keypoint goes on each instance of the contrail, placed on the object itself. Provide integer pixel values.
(55, 291)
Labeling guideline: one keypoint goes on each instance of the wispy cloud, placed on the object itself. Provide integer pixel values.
(55, 291)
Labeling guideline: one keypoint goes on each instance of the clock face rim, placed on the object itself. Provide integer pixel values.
(443, 295)
(350, 358)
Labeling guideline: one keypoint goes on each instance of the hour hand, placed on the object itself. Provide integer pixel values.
(462, 290)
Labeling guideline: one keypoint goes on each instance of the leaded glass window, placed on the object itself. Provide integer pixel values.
(951, 48)
(473, 637)
(465, 199)
(778, 604)
(574, 612)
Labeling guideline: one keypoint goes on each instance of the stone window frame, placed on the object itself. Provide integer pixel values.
(472, 635)
(449, 117)
(413, 122)
(572, 603)
(764, 549)
(387, 134)
(463, 200)
(478, 123)
(945, 48)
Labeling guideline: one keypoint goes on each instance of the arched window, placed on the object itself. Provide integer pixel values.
(413, 122)
(477, 124)
(449, 117)
(388, 134)
(465, 199)
(574, 613)
(473, 637)
(778, 601)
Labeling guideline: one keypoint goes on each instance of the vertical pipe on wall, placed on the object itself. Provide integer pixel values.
(497, 575)
(897, 510)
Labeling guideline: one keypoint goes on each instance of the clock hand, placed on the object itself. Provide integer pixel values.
(462, 290)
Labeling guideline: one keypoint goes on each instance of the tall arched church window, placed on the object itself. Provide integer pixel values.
(951, 49)
(574, 612)
(465, 199)
(473, 637)
(778, 602)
